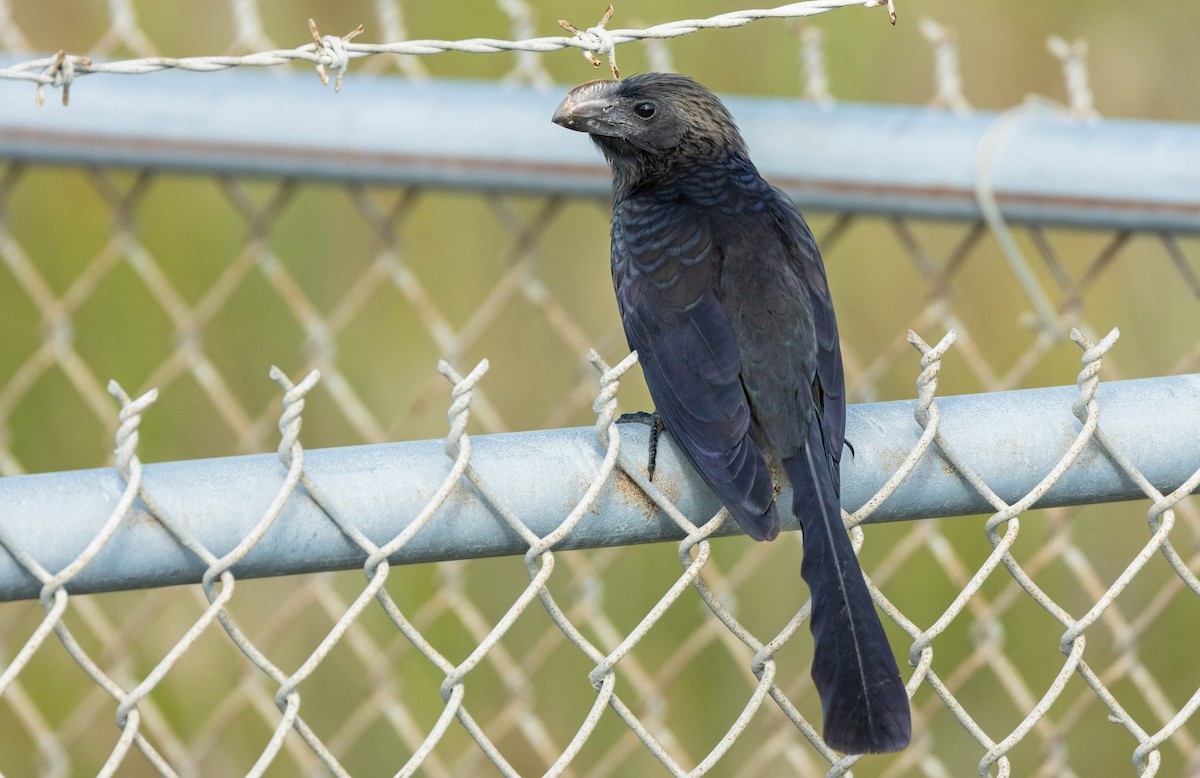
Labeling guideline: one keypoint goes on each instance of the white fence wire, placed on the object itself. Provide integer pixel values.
(1051, 643)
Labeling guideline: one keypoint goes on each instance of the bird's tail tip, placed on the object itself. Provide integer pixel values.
(884, 735)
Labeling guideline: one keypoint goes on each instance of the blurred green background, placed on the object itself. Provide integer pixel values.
(135, 253)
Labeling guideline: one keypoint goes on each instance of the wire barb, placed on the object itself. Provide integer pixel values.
(60, 73)
(891, 8)
(597, 41)
(332, 52)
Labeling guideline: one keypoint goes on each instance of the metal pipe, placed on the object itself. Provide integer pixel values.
(1042, 166)
(1012, 439)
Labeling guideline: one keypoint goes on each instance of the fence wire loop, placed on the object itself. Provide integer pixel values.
(460, 406)
(931, 365)
(1089, 376)
(293, 407)
(813, 64)
(1073, 58)
(605, 405)
(130, 418)
(946, 71)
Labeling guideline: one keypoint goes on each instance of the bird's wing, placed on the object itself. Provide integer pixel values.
(663, 257)
(807, 258)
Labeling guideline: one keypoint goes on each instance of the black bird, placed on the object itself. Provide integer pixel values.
(723, 294)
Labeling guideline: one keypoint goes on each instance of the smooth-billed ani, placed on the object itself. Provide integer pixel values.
(723, 294)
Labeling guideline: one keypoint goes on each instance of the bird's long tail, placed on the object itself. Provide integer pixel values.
(863, 699)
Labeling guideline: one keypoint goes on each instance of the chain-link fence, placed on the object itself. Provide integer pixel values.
(180, 232)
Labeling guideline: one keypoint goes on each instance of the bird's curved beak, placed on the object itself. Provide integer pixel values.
(591, 108)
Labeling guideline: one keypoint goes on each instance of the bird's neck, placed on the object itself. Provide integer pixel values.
(705, 181)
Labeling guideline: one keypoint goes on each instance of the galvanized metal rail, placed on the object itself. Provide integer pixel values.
(1039, 164)
(1011, 439)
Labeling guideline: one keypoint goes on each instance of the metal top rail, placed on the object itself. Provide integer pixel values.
(1039, 164)
(51, 517)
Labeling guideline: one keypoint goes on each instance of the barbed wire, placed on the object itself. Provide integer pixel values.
(336, 52)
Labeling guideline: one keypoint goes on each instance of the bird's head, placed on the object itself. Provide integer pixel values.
(651, 124)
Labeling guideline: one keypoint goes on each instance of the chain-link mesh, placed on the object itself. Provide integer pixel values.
(1053, 642)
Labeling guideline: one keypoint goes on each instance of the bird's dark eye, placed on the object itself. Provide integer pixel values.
(644, 110)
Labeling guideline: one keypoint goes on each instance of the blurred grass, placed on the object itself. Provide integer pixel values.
(1143, 64)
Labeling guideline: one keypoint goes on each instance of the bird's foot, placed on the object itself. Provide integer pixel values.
(655, 423)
